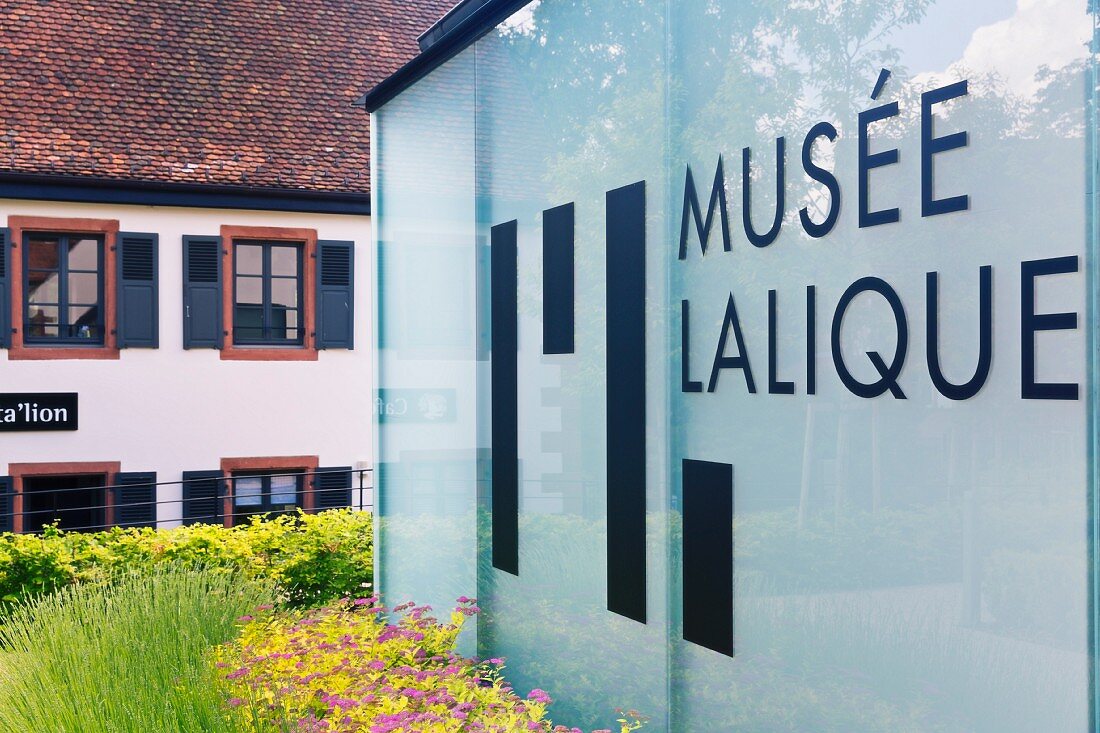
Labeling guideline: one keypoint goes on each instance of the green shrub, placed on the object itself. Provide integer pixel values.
(132, 655)
(344, 669)
(311, 558)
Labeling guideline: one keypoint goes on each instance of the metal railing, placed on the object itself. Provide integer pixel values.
(112, 502)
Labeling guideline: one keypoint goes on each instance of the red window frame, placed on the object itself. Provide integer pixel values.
(108, 229)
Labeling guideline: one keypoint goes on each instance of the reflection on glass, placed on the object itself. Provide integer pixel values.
(42, 287)
(284, 260)
(83, 287)
(284, 490)
(284, 292)
(249, 259)
(250, 290)
(42, 253)
(83, 254)
(248, 491)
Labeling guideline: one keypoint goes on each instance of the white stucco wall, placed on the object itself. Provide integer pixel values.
(171, 410)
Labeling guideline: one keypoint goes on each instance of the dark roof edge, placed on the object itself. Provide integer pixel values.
(473, 25)
(86, 189)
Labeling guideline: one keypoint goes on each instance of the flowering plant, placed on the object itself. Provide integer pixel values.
(344, 668)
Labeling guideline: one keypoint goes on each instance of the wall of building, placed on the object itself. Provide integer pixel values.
(171, 410)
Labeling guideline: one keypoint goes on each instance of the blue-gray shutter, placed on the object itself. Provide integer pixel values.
(7, 504)
(202, 292)
(202, 497)
(5, 288)
(138, 292)
(335, 294)
(332, 488)
(134, 498)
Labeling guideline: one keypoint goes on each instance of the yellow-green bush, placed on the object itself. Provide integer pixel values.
(344, 669)
(311, 558)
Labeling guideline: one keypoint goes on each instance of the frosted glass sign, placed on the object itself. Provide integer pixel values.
(768, 328)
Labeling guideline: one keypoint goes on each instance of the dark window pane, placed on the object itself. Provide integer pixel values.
(248, 321)
(83, 287)
(250, 259)
(284, 260)
(284, 292)
(250, 290)
(83, 254)
(42, 287)
(42, 253)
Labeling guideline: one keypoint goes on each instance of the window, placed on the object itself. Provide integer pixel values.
(258, 493)
(63, 289)
(267, 293)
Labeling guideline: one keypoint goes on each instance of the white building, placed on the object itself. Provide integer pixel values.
(184, 209)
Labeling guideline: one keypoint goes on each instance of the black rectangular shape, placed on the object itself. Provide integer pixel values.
(505, 383)
(135, 499)
(202, 292)
(557, 280)
(5, 288)
(332, 488)
(203, 492)
(708, 555)
(626, 445)
(38, 411)
(138, 296)
(335, 293)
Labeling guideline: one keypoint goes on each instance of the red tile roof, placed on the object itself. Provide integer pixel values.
(226, 92)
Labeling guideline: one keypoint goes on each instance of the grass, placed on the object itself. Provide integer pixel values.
(128, 656)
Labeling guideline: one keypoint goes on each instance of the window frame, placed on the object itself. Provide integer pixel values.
(265, 507)
(307, 238)
(20, 350)
(306, 465)
(63, 301)
(267, 277)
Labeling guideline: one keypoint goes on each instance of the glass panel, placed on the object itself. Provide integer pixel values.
(42, 321)
(284, 260)
(250, 290)
(291, 323)
(284, 292)
(42, 253)
(248, 491)
(248, 321)
(83, 254)
(42, 287)
(250, 259)
(83, 287)
(904, 560)
(284, 490)
(84, 320)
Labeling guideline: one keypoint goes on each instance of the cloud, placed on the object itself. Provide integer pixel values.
(1053, 33)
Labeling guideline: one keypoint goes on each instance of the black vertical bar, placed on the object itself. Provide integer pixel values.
(708, 555)
(557, 280)
(505, 383)
(626, 447)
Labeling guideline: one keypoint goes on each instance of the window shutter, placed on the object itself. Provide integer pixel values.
(202, 497)
(7, 504)
(332, 488)
(5, 288)
(202, 292)
(335, 294)
(138, 276)
(134, 497)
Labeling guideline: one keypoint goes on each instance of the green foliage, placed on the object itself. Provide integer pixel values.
(344, 669)
(311, 558)
(132, 655)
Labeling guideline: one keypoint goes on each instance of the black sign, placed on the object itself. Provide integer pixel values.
(36, 411)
